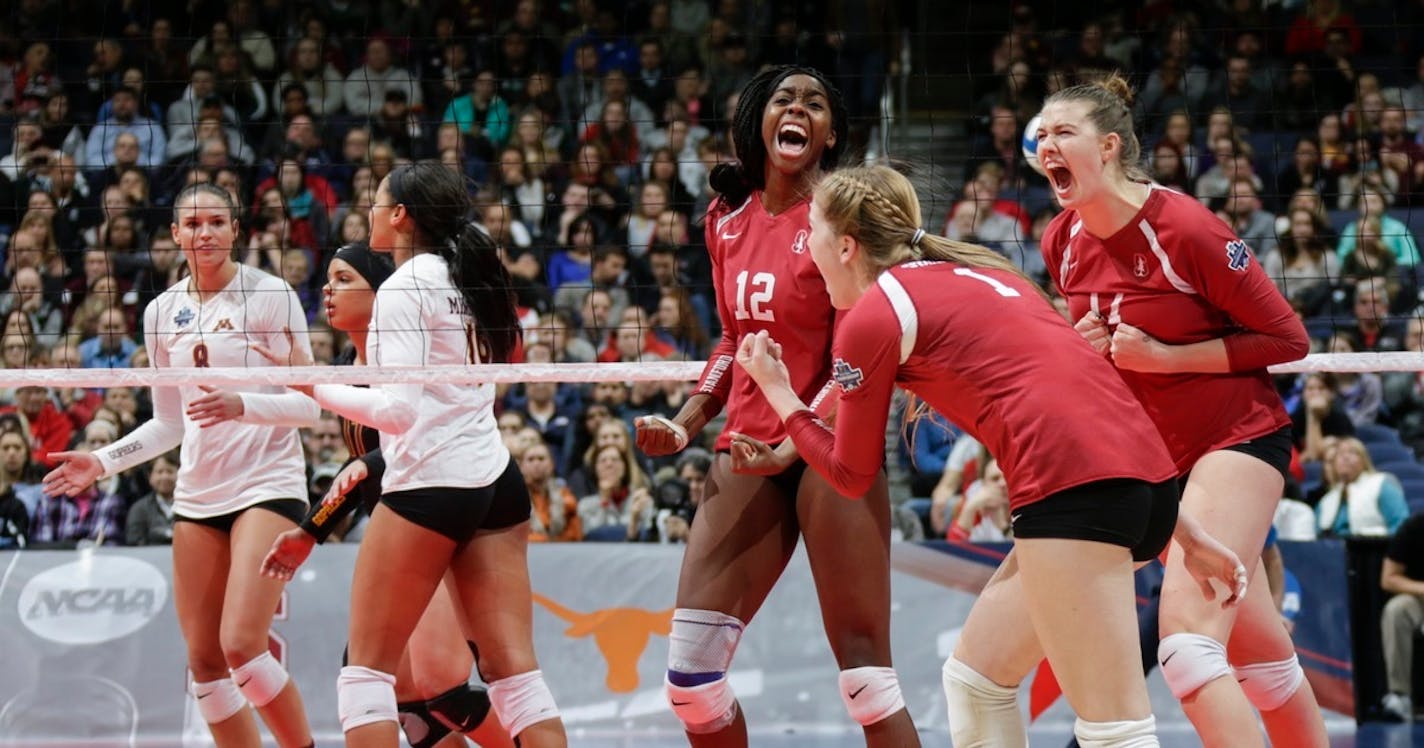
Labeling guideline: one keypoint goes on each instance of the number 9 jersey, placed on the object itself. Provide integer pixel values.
(765, 280)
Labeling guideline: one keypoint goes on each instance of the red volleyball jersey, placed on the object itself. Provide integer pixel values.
(765, 280)
(984, 348)
(1178, 273)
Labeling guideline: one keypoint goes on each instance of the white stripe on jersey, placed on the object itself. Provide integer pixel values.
(904, 311)
(734, 213)
(1066, 265)
(1172, 277)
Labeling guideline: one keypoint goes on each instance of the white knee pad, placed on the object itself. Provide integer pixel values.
(1136, 733)
(1190, 661)
(1269, 685)
(982, 713)
(871, 693)
(522, 700)
(700, 649)
(365, 696)
(260, 679)
(217, 699)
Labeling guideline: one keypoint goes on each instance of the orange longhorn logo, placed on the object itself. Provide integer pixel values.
(621, 634)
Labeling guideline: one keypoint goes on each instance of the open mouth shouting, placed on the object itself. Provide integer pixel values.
(792, 140)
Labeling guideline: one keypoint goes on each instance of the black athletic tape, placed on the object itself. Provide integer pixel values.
(421, 728)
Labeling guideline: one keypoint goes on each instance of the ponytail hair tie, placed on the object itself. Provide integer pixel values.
(915, 240)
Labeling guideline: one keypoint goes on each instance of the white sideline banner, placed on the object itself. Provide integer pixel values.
(91, 651)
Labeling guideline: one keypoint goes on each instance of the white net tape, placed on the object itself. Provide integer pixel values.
(645, 371)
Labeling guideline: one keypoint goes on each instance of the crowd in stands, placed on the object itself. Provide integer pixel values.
(586, 131)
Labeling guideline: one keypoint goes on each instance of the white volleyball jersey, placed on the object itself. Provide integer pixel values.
(232, 465)
(439, 435)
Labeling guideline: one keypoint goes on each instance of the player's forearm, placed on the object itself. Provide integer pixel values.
(285, 409)
(144, 443)
(783, 400)
(1205, 357)
(374, 407)
(1398, 584)
(697, 411)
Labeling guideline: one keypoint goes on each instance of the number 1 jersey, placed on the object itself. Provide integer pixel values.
(765, 280)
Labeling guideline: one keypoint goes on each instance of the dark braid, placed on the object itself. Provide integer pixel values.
(736, 181)
(439, 203)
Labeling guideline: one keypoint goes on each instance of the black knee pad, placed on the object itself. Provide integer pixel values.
(462, 708)
(422, 730)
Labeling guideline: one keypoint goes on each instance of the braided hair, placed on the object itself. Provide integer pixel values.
(736, 181)
(439, 204)
(878, 207)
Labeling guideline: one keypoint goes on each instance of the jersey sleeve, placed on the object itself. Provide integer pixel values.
(286, 408)
(1224, 271)
(390, 408)
(866, 357)
(164, 430)
(1052, 246)
(716, 379)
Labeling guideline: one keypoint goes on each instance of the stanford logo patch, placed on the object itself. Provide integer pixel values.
(1139, 265)
(847, 376)
(1238, 255)
(799, 245)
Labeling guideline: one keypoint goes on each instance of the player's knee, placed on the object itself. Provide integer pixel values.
(365, 696)
(217, 699)
(1190, 661)
(871, 693)
(521, 701)
(982, 713)
(461, 708)
(700, 649)
(1135, 733)
(421, 728)
(260, 679)
(1269, 685)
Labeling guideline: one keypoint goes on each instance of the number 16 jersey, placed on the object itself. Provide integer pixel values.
(765, 280)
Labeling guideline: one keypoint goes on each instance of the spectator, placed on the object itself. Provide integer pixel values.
(652, 81)
(1372, 328)
(1302, 266)
(1400, 152)
(482, 115)
(1360, 501)
(1413, 99)
(1243, 213)
(150, 519)
(984, 514)
(606, 271)
(1402, 577)
(1178, 131)
(397, 126)
(14, 519)
(89, 516)
(125, 119)
(164, 60)
(1305, 172)
(653, 199)
(554, 515)
(522, 190)
(27, 152)
(19, 475)
(1232, 162)
(103, 74)
(1318, 416)
(615, 87)
(50, 430)
(1359, 393)
(616, 497)
(580, 87)
(366, 87)
(1404, 391)
(1168, 168)
(27, 295)
(59, 130)
(1307, 34)
(1371, 257)
(133, 78)
(1298, 105)
(679, 326)
(113, 346)
(1236, 92)
(319, 78)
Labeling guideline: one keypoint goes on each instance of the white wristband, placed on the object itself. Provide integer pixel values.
(676, 429)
